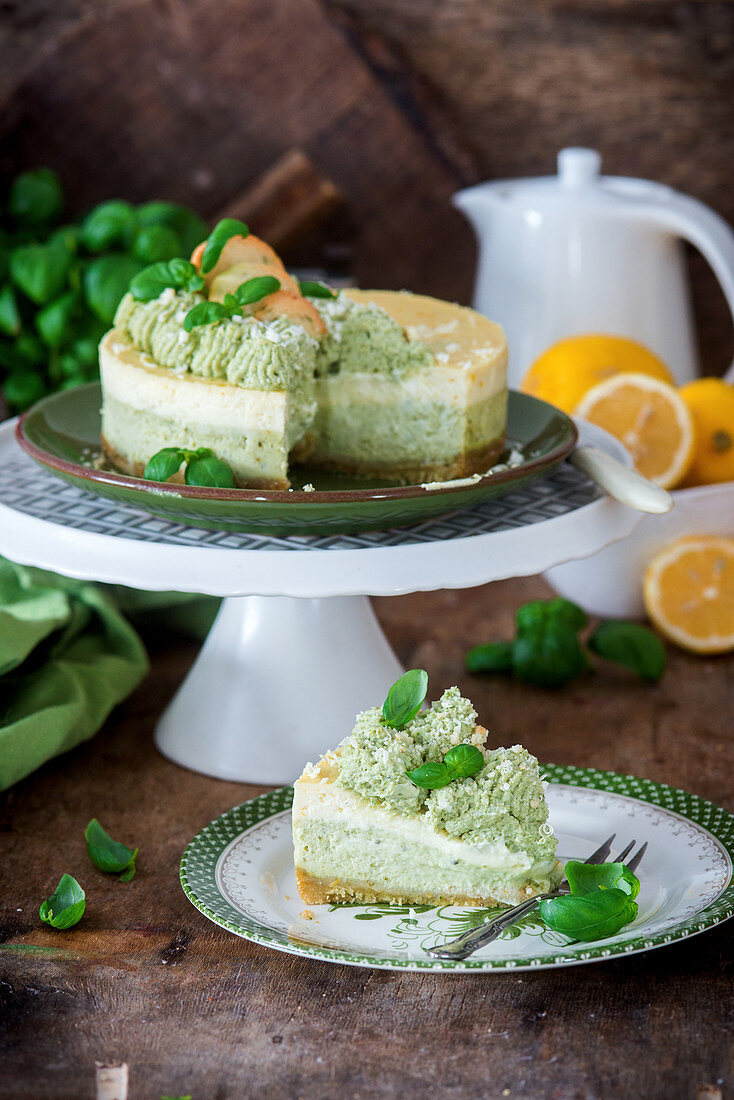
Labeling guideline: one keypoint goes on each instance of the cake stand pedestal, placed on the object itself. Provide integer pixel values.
(296, 650)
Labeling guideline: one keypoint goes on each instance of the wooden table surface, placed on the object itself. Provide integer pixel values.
(147, 979)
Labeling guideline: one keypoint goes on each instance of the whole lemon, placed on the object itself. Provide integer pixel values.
(711, 403)
(568, 369)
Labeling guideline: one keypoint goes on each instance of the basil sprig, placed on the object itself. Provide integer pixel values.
(315, 290)
(203, 468)
(107, 854)
(205, 313)
(600, 903)
(153, 280)
(66, 905)
(405, 698)
(220, 234)
(60, 284)
(460, 762)
(547, 651)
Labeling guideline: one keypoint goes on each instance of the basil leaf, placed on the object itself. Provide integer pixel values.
(559, 610)
(208, 470)
(631, 645)
(585, 878)
(220, 234)
(21, 390)
(29, 350)
(164, 464)
(188, 226)
(153, 280)
(109, 224)
(10, 322)
(463, 761)
(460, 762)
(405, 698)
(69, 236)
(490, 657)
(430, 776)
(36, 197)
(548, 654)
(106, 280)
(254, 289)
(591, 917)
(205, 313)
(155, 243)
(55, 321)
(40, 270)
(66, 905)
(86, 351)
(107, 854)
(315, 290)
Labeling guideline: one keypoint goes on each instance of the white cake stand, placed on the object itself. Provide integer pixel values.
(296, 649)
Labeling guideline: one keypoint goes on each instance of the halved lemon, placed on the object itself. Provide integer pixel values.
(688, 590)
(650, 418)
(568, 369)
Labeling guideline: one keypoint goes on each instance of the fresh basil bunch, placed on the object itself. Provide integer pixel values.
(60, 285)
(547, 650)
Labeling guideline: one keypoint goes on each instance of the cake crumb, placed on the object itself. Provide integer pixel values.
(307, 914)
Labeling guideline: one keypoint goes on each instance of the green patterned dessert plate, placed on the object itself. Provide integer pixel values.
(62, 433)
(238, 871)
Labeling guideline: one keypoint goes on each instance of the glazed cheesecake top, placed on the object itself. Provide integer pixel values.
(504, 802)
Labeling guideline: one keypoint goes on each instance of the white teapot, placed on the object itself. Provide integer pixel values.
(581, 252)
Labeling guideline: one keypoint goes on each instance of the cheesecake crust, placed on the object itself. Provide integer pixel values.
(320, 891)
(465, 465)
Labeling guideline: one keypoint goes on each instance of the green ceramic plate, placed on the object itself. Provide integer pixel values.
(62, 433)
(239, 873)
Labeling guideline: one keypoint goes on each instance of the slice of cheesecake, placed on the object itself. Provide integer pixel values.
(364, 831)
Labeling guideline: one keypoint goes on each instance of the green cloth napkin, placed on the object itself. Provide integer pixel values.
(67, 656)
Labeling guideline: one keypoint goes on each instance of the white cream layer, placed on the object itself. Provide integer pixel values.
(134, 380)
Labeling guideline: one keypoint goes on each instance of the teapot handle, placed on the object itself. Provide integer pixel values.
(705, 230)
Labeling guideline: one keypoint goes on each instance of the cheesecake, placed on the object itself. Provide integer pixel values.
(365, 831)
(373, 384)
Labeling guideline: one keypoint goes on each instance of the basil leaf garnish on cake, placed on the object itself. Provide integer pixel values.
(476, 833)
(228, 351)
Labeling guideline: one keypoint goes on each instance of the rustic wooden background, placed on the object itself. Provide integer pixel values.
(399, 102)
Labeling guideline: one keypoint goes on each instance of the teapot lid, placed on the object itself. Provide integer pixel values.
(579, 181)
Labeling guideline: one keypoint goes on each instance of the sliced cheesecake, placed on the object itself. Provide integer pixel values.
(364, 831)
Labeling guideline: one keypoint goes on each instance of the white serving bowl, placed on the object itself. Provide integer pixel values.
(609, 583)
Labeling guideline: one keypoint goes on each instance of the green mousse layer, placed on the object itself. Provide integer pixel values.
(505, 801)
(137, 434)
(243, 351)
(365, 339)
(413, 427)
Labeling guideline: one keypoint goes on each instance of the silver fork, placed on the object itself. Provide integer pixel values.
(471, 941)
